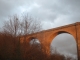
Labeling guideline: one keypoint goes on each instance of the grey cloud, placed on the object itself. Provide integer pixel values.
(7, 7)
(61, 11)
(11, 7)
(49, 10)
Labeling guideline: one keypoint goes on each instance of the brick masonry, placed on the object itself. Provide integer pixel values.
(46, 36)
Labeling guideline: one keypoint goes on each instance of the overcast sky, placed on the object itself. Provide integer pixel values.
(52, 13)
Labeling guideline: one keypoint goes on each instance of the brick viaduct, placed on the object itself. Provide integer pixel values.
(46, 36)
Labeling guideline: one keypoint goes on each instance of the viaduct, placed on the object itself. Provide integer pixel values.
(46, 36)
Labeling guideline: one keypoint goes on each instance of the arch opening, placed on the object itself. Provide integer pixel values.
(64, 43)
(34, 42)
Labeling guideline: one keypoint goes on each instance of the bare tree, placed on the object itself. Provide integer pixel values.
(12, 25)
(30, 25)
(21, 26)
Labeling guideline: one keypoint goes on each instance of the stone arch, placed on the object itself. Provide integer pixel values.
(59, 39)
(53, 35)
(35, 40)
(27, 39)
(30, 38)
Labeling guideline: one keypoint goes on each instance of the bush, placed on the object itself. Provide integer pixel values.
(12, 49)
